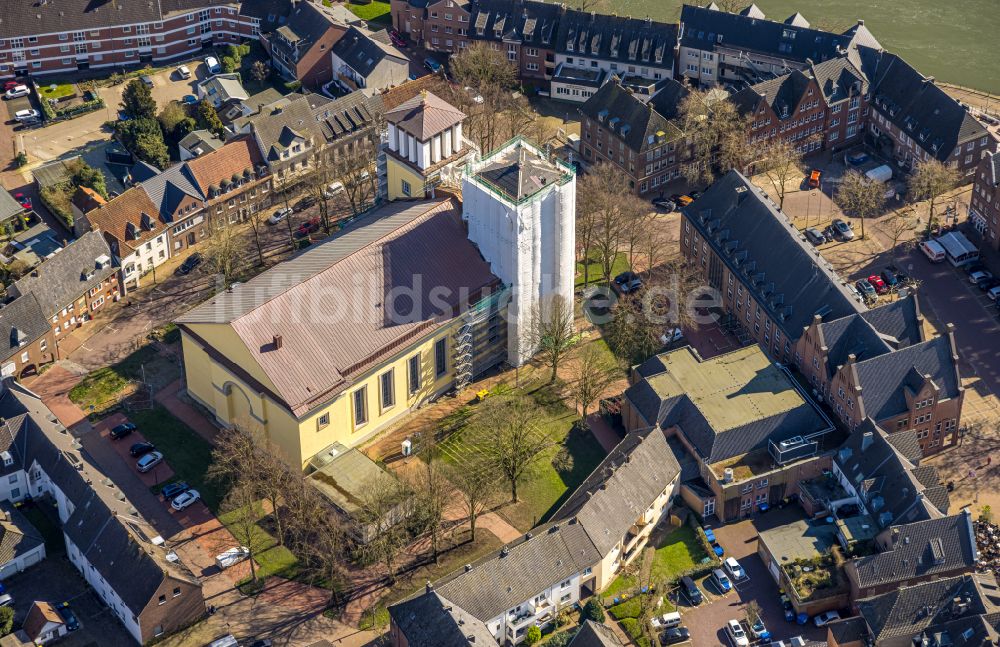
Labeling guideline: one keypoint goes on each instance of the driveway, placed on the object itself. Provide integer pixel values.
(55, 580)
(707, 622)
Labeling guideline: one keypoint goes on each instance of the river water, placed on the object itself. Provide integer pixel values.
(957, 41)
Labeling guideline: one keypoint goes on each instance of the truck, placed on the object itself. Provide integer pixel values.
(880, 173)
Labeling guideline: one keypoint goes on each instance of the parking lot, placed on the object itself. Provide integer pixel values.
(707, 621)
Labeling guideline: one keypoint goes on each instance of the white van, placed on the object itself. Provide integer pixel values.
(933, 251)
(226, 641)
(666, 621)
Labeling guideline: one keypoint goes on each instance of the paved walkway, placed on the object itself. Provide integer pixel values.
(168, 396)
(53, 387)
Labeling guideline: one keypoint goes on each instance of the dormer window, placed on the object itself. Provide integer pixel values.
(130, 231)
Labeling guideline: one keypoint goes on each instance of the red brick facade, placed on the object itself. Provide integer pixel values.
(984, 207)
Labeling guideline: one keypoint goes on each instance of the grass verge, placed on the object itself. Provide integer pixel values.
(595, 270)
(374, 12)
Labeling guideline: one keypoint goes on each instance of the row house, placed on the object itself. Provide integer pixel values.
(769, 280)
(166, 213)
(878, 364)
(635, 133)
(300, 48)
(26, 339)
(592, 47)
(822, 106)
(740, 448)
(722, 48)
(137, 575)
(58, 37)
(602, 527)
(984, 206)
(914, 120)
(73, 285)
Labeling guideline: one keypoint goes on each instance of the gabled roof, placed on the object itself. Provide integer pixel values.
(899, 322)
(168, 188)
(306, 24)
(915, 104)
(69, 274)
(885, 378)
(122, 219)
(347, 116)
(768, 255)
(394, 97)
(921, 549)
(21, 323)
(634, 41)
(17, 536)
(9, 207)
(638, 123)
(39, 615)
(273, 124)
(364, 53)
(516, 20)
(320, 354)
(238, 157)
(430, 620)
(592, 634)
(424, 116)
(625, 484)
(884, 469)
(872, 333)
(836, 78)
(909, 610)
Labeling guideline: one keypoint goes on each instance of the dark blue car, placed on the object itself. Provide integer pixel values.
(170, 490)
(72, 623)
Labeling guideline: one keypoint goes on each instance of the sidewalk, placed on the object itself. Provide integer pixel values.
(53, 387)
(168, 397)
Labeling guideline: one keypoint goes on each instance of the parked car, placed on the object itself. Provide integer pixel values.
(890, 277)
(994, 292)
(684, 200)
(675, 635)
(855, 159)
(826, 618)
(189, 100)
(333, 189)
(759, 631)
(184, 72)
(734, 569)
(263, 642)
(122, 430)
(279, 215)
(721, 580)
(987, 284)
(212, 65)
(304, 203)
(6, 600)
(737, 634)
(184, 499)
(842, 229)
(191, 262)
(814, 178)
(308, 227)
(432, 65)
(933, 251)
(72, 622)
(628, 282)
(975, 277)
(666, 620)
(170, 490)
(23, 200)
(866, 289)
(396, 38)
(815, 236)
(672, 336)
(147, 80)
(138, 449)
(232, 556)
(8, 85)
(149, 461)
(691, 591)
(665, 204)
(28, 116)
(877, 283)
(17, 91)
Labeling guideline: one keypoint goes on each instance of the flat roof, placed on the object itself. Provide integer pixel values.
(858, 528)
(798, 540)
(730, 390)
(345, 479)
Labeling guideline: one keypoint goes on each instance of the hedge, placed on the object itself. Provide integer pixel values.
(80, 109)
(629, 609)
(634, 630)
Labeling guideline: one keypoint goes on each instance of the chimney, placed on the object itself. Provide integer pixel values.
(429, 587)
(866, 440)
(277, 342)
(861, 23)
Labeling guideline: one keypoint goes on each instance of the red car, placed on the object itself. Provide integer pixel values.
(10, 85)
(308, 227)
(396, 38)
(878, 283)
(23, 200)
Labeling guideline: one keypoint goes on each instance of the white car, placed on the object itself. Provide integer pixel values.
(734, 569)
(994, 292)
(184, 499)
(826, 618)
(979, 275)
(184, 72)
(212, 65)
(17, 91)
(737, 634)
(232, 556)
(333, 189)
(149, 461)
(279, 215)
(27, 116)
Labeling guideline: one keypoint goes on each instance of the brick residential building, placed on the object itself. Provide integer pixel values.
(29, 341)
(635, 133)
(822, 106)
(300, 48)
(984, 208)
(59, 37)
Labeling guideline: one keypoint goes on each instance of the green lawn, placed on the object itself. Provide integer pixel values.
(272, 558)
(559, 469)
(677, 553)
(56, 90)
(188, 454)
(99, 389)
(596, 270)
(374, 12)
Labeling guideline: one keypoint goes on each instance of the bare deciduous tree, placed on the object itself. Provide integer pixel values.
(243, 511)
(898, 228)
(551, 332)
(931, 180)
(780, 163)
(860, 197)
(224, 252)
(594, 374)
(631, 334)
(431, 495)
(380, 511)
(477, 487)
(506, 435)
(718, 134)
